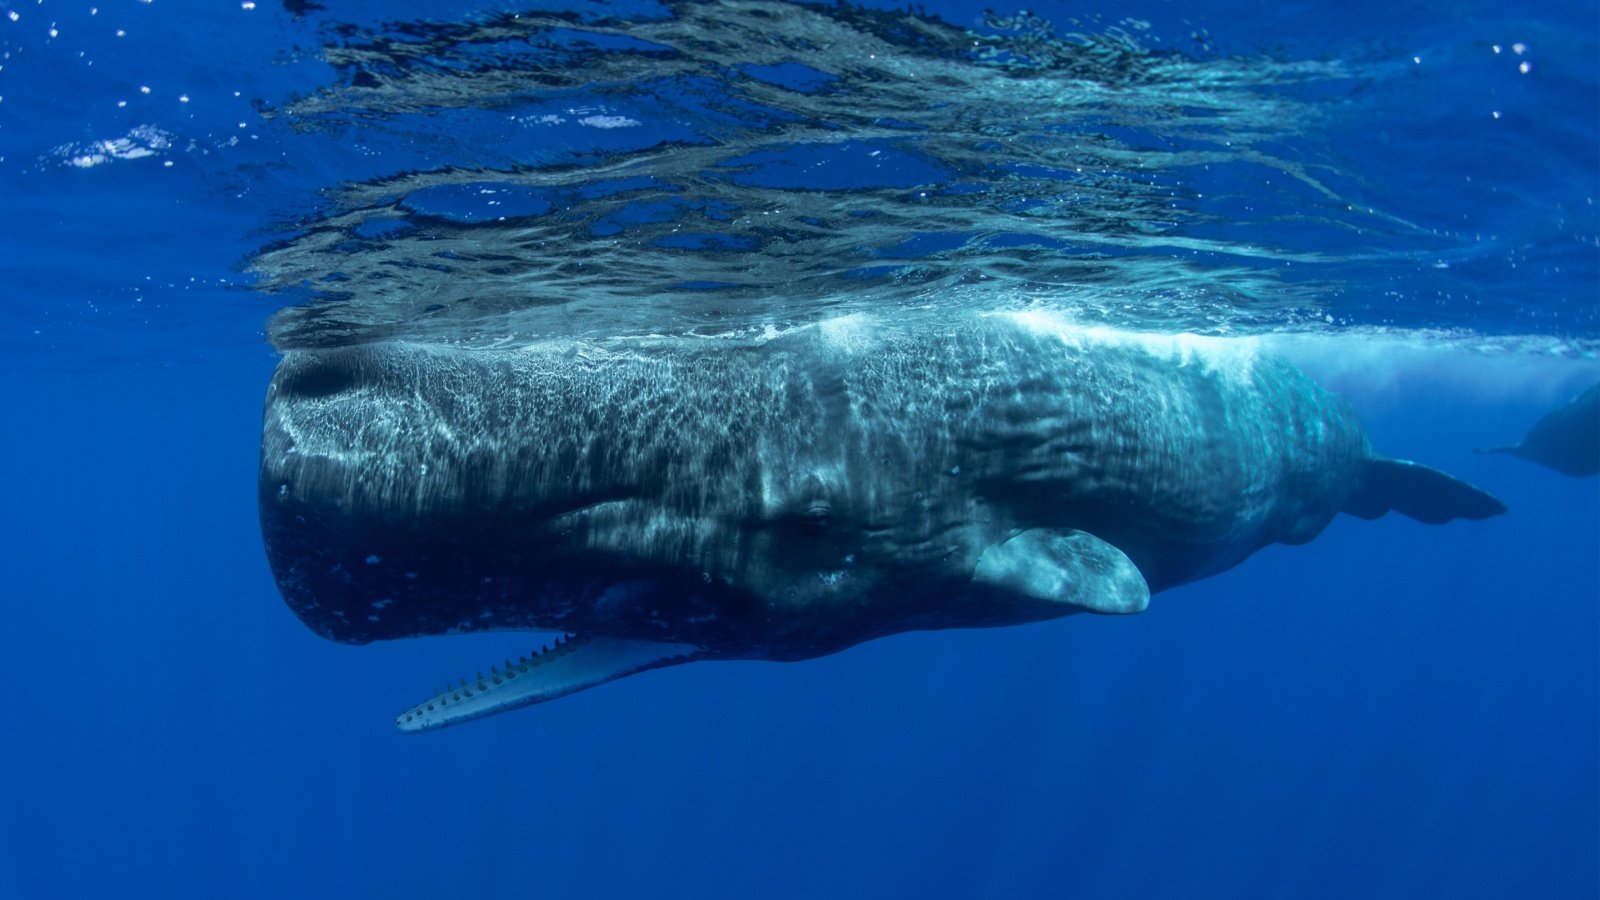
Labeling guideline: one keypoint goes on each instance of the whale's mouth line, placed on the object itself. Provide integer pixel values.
(571, 663)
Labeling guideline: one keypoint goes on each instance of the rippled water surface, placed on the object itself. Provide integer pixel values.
(483, 176)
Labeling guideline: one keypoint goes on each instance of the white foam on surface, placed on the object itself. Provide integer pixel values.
(1231, 356)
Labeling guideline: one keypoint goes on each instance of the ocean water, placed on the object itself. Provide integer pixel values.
(1401, 197)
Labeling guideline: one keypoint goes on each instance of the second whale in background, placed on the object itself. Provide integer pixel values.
(1566, 440)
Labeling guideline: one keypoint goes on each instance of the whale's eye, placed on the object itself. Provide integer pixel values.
(815, 518)
(322, 379)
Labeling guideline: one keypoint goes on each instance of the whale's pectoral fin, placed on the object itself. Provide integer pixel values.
(1065, 566)
(573, 664)
(1427, 495)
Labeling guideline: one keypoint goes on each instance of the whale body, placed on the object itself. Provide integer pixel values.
(783, 497)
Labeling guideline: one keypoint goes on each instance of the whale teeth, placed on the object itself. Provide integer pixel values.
(490, 686)
(575, 662)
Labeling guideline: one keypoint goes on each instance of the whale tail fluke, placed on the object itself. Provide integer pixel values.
(1414, 490)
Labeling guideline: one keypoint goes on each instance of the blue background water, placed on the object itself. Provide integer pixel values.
(1391, 711)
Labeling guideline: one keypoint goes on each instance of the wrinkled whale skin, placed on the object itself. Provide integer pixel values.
(787, 496)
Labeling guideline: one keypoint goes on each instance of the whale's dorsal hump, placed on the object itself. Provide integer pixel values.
(1071, 568)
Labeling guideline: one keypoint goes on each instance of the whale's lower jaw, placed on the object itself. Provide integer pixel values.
(573, 664)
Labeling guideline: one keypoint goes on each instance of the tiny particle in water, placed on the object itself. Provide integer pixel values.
(374, 559)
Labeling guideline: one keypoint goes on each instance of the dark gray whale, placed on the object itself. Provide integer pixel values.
(673, 499)
(1567, 440)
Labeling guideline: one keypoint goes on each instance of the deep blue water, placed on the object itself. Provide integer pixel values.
(1392, 710)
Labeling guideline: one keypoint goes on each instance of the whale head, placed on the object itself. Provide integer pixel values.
(410, 490)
